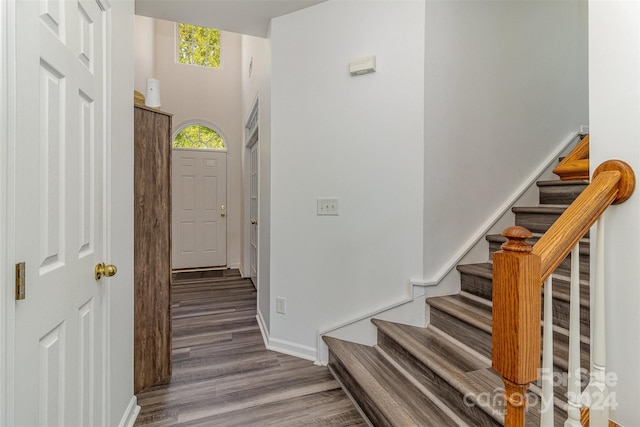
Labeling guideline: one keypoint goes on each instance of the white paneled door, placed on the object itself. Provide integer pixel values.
(59, 212)
(199, 208)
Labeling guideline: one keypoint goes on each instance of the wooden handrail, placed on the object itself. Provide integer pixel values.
(575, 166)
(520, 270)
(613, 183)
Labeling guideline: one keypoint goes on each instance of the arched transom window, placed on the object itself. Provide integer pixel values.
(199, 137)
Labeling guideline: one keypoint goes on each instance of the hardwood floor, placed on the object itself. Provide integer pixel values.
(224, 376)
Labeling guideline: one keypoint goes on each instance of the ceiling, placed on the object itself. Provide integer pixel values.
(240, 16)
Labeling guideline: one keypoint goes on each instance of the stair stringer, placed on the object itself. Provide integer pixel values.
(359, 329)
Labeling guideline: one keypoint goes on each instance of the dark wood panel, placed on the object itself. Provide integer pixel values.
(152, 251)
(224, 376)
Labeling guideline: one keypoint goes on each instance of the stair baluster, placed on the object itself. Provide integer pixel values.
(573, 377)
(597, 392)
(546, 405)
(519, 272)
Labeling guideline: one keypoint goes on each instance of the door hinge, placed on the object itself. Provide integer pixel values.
(20, 281)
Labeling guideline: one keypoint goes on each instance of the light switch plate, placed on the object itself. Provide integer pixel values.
(327, 206)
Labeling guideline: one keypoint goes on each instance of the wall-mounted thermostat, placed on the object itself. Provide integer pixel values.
(363, 66)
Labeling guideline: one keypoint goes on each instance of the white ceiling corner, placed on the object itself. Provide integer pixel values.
(250, 17)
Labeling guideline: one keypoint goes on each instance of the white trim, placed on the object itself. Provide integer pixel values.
(239, 267)
(285, 347)
(7, 213)
(292, 349)
(106, 210)
(130, 414)
(254, 116)
(104, 5)
(263, 329)
(416, 289)
(504, 208)
(200, 149)
(250, 139)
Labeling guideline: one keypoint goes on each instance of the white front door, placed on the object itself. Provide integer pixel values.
(199, 208)
(253, 214)
(60, 222)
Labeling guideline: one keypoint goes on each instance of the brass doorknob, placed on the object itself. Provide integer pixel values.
(222, 214)
(254, 222)
(106, 270)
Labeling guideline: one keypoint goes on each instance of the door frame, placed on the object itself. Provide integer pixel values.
(254, 146)
(7, 221)
(251, 137)
(176, 129)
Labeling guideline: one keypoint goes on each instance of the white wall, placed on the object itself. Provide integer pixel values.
(199, 93)
(256, 53)
(505, 84)
(614, 103)
(359, 139)
(144, 51)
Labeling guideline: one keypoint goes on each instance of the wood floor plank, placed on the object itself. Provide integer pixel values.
(224, 376)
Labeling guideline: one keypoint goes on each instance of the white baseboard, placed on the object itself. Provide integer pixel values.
(417, 289)
(285, 347)
(263, 329)
(292, 349)
(130, 414)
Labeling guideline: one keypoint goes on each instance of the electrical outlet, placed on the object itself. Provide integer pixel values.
(327, 206)
(281, 305)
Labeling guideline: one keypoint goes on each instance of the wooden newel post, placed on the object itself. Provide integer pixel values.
(516, 320)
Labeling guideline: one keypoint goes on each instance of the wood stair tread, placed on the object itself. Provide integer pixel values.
(425, 344)
(561, 284)
(558, 182)
(484, 269)
(465, 309)
(584, 242)
(479, 316)
(471, 375)
(396, 399)
(437, 362)
(543, 209)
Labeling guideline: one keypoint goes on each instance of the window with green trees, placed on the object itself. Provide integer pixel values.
(198, 45)
(199, 137)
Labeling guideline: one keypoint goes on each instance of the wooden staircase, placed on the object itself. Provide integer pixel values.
(441, 375)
